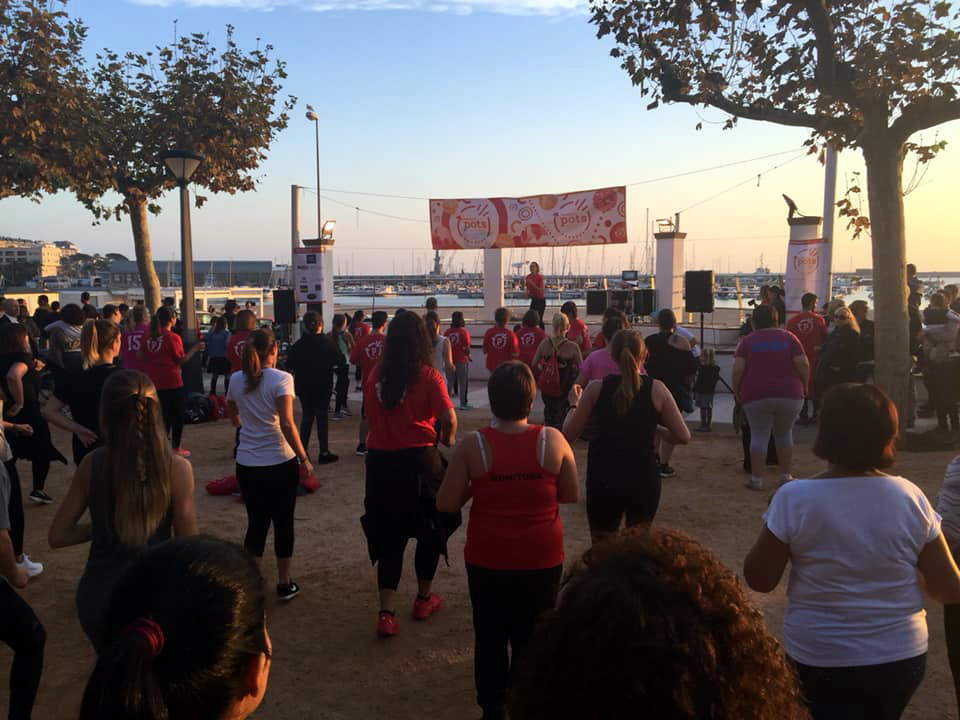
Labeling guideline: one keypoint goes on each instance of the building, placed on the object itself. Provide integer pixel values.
(46, 255)
(206, 273)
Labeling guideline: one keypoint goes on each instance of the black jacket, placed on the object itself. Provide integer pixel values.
(838, 358)
(312, 360)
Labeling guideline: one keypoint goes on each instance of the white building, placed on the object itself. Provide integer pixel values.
(46, 255)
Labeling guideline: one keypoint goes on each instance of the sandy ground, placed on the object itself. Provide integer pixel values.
(328, 662)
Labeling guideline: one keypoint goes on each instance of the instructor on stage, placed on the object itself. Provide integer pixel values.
(535, 291)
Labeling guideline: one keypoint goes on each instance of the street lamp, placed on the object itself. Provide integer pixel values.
(182, 164)
(311, 115)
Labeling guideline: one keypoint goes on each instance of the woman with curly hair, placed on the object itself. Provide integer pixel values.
(861, 544)
(652, 621)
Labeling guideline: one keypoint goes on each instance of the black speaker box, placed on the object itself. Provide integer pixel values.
(596, 302)
(620, 299)
(698, 291)
(284, 307)
(644, 302)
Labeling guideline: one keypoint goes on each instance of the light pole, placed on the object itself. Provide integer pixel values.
(182, 164)
(311, 115)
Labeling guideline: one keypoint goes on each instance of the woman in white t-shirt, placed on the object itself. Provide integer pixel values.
(260, 403)
(442, 352)
(860, 543)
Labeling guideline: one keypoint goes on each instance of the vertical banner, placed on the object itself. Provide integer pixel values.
(308, 266)
(808, 263)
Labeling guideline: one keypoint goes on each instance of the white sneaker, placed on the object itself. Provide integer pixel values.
(30, 567)
(754, 483)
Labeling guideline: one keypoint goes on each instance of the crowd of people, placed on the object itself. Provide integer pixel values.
(648, 617)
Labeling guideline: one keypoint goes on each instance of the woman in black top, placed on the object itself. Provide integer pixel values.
(100, 345)
(670, 360)
(22, 402)
(630, 411)
(841, 352)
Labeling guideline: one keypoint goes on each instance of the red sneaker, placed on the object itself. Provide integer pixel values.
(422, 609)
(386, 625)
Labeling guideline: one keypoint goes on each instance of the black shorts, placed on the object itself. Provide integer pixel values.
(218, 366)
(607, 507)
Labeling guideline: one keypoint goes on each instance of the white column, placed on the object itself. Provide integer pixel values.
(805, 271)
(825, 286)
(669, 275)
(328, 307)
(294, 244)
(492, 283)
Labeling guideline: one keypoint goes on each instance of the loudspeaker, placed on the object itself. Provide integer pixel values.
(644, 302)
(284, 307)
(698, 291)
(596, 302)
(620, 299)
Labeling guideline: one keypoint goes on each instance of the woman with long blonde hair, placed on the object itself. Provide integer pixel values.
(630, 410)
(569, 359)
(137, 491)
(260, 403)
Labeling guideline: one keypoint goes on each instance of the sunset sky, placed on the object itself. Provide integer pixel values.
(476, 98)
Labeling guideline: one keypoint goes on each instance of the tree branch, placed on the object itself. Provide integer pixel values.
(923, 113)
(827, 76)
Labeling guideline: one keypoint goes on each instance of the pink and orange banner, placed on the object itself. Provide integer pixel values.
(588, 217)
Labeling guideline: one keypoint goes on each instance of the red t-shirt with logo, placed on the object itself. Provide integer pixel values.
(529, 339)
(810, 329)
(411, 423)
(600, 341)
(367, 351)
(161, 358)
(459, 344)
(535, 286)
(499, 345)
(131, 341)
(360, 330)
(235, 349)
(514, 519)
(579, 334)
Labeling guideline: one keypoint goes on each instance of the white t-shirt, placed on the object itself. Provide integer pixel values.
(852, 596)
(684, 333)
(261, 440)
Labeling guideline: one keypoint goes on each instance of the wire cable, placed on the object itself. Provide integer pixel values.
(750, 179)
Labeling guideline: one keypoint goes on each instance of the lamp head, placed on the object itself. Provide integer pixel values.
(181, 163)
(311, 115)
(326, 233)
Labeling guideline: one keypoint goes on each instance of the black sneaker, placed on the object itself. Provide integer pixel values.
(361, 449)
(40, 497)
(288, 591)
(326, 458)
(667, 471)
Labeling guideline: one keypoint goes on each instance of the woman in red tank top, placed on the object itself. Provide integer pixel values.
(517, 474)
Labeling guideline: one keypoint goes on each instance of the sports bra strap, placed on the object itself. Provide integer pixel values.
(542, 445)
(484, 458)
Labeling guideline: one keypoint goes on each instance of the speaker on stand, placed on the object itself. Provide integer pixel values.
(284, 307)
(596, 302)
(644, 302)
(698, 294)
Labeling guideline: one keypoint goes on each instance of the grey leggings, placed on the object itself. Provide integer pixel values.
(463, 374)
(775, 415)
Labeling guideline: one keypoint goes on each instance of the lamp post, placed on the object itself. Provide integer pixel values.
(182, 164)
(311, 115)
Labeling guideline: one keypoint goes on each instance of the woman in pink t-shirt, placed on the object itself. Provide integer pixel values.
(770, 376)
(600, 363)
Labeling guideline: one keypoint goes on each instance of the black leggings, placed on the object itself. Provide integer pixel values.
(942, 393)
(171, 404)
(22, 631)
(606, 506)
(554, 410)
(540, 305)
(314, 407)
(270, 494)
(506, 606)
(15, 508)
(866, 692)
(343, 387)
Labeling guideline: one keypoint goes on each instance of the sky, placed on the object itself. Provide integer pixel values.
(480, 98)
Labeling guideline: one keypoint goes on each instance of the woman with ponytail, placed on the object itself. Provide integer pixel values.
(630, 411)
(186, 637)
(260, 403)
(136, 490)
(162, 355)
(100, 344)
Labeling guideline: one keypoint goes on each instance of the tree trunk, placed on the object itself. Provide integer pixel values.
(884, 161)
(137, 206)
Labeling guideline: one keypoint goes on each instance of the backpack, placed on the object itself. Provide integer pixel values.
(548, 375)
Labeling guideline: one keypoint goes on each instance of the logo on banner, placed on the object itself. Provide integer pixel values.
(572, 219)
(807, 261)
(475, 225)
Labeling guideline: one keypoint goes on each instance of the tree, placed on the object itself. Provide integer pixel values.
(44, 104)
(117, 257)
(858, 73)
(19, 272)
(220, 105)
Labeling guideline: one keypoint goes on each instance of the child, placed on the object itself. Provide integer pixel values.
(704, 387)
(499, 342)
(460, 345)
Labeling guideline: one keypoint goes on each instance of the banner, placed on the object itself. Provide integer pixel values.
(589, 217)
(308, 274)
(807, 271)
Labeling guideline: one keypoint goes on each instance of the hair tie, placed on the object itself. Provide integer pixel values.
(149, 630)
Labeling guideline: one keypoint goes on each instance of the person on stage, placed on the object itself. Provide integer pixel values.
(536, 291)
(404, 399)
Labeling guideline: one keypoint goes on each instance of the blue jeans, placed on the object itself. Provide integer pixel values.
(865, 692)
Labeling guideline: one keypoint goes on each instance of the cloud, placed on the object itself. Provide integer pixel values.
(458, 7)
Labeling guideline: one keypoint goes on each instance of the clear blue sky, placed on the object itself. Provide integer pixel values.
(476, 98)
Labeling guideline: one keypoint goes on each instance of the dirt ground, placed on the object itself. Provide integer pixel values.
(328, 664)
